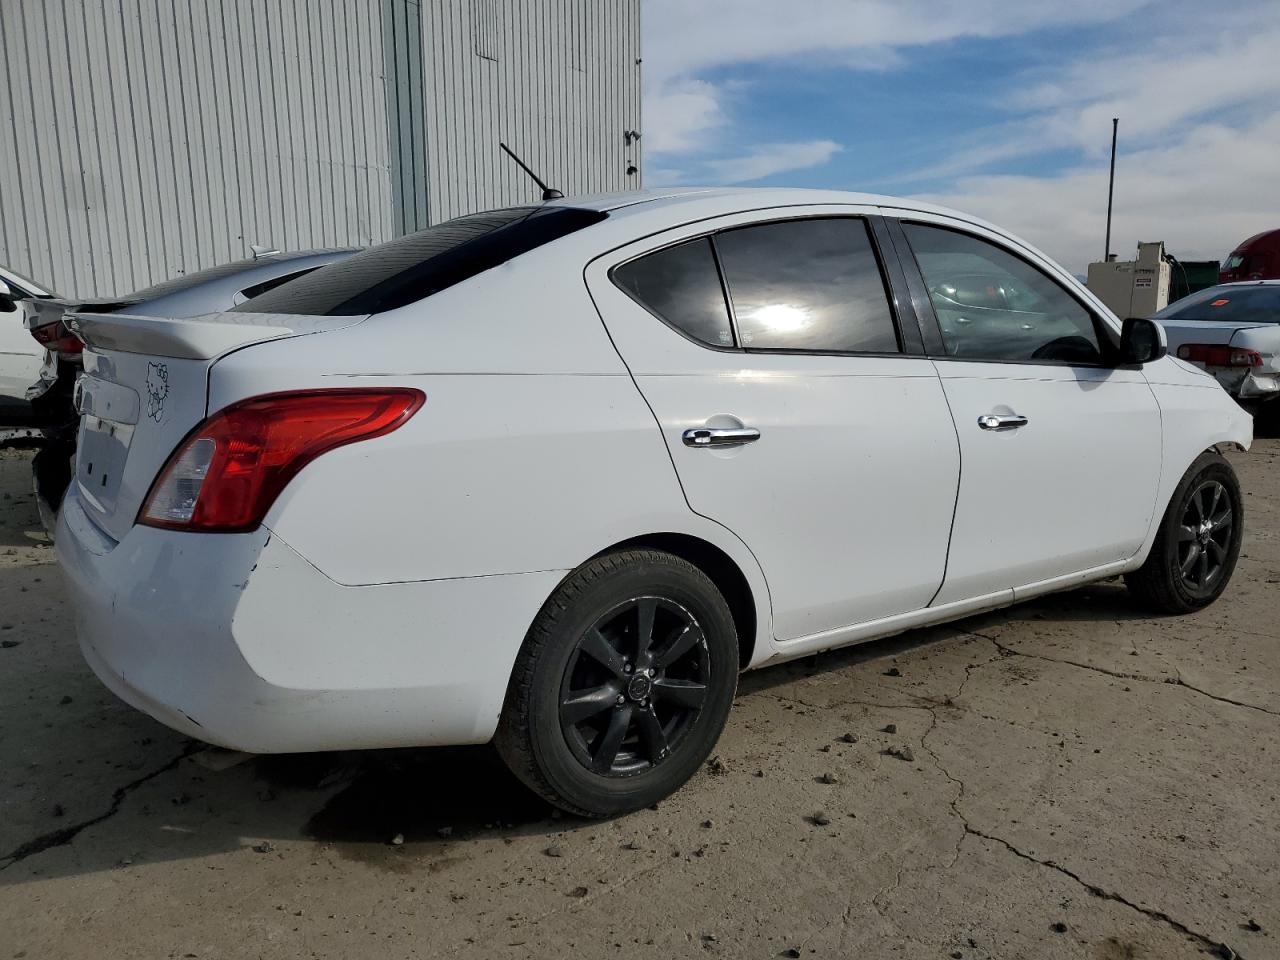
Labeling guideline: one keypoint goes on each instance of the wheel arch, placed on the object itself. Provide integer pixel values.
(724, 572)
(1169, 488)
(1194, 420)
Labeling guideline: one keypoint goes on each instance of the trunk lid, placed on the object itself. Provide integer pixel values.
(145, 386)
(1203, 331)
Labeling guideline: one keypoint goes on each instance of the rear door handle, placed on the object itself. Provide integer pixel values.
(992, 421)
(719, 436)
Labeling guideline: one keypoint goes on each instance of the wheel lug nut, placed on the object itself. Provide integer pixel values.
(626, 668)
(621, 699)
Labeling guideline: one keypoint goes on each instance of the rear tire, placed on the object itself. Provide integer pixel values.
(622, 686)
(1196, 548)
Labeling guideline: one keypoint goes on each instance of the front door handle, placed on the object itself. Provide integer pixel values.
(993, 421)
(719, 436)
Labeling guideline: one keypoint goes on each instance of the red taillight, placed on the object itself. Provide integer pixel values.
(228, 471)
(1214, 355)
(58, 338)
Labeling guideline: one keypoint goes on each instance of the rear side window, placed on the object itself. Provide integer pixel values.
(682, 286)
(808, 285)
(413, 267)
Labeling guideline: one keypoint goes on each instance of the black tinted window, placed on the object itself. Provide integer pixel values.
(1260, 304)
(258, 289)
(415, 266)
(993, 305)
(190, 280)
(682, 286)
(807, 285)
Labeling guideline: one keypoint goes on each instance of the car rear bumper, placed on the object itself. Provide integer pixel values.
(238, 641)
(1256, 386)
(1246, 384)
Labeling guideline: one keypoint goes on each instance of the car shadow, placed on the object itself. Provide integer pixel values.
(19, 519)
(419, 795)
(1267, 427)
(179, 800)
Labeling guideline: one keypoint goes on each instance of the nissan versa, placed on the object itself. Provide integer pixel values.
(552, 475)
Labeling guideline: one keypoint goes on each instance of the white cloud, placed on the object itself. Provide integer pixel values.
(1158, 95)
(766, 159)
(683, 38)
(1167, 83)
(1201, 195)
(1198, 100)
(684, 112)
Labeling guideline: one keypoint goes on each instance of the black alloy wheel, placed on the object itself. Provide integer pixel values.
(1197, 543)
(1204, 537)
(634, 686)
(623, 684)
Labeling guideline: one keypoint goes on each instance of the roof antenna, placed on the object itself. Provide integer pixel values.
(548, 193)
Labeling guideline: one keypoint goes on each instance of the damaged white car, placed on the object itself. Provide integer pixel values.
(1232, 331)
(553, 475)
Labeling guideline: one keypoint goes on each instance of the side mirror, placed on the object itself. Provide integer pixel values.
(1142, 341)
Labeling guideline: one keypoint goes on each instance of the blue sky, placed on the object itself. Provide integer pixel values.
(1001, 109)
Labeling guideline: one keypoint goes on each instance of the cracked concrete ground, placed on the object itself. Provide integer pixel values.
(1081, 781)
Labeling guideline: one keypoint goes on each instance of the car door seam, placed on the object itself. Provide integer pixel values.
(1157, 515)
(955, 506)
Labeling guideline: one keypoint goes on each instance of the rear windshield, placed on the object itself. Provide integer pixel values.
(1260, 304)
(189, 280)
(413, 267)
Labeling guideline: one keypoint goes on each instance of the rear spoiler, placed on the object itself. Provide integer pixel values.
(199, 338)
(42, 311)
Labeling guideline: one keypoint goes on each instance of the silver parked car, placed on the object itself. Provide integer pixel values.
(1232, 331)
(20, 356)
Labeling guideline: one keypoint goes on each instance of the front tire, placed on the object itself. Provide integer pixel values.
(1196, 548)
(622, 686)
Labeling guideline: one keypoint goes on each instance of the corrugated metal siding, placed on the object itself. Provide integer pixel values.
(560, 85)
(141, 139)
(408, 115)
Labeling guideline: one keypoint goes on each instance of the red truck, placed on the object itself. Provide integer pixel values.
(1258, 258)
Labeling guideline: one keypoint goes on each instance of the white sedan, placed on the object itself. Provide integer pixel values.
(553, 475)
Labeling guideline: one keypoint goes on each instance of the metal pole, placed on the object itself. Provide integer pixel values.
(1111, 185)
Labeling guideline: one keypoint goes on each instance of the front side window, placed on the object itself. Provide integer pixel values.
(682, 286)
(807, 285)
(993, 305)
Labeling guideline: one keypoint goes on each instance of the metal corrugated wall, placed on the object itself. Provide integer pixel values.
(557, 80)
(408, 114)
(141, 139)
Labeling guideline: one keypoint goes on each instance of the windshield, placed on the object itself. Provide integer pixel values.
(1260, 304)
